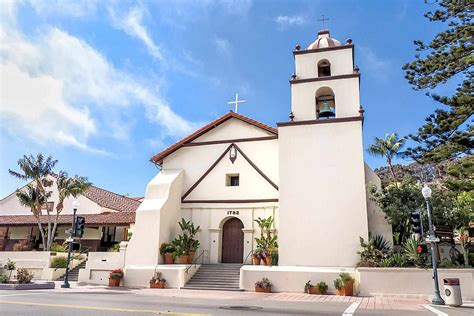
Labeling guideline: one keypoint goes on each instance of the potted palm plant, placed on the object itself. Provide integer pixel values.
(263, 286)
(344, 284)
(157, 282)
(114, 277)
(167, 250)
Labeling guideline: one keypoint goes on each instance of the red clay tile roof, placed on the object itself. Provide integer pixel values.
(162, 154)
(109, 218)
(111, 200)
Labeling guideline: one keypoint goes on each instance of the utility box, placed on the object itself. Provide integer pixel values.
(452, 290)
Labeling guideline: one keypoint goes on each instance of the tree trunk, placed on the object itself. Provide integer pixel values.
(42, 233)
(389, 161)
(53, 232)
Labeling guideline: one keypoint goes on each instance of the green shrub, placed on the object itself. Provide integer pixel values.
(114, 248)
(58, 248)
(471, 259)
(23, 276)
(59, 262)
(322, 287)
(3, 278)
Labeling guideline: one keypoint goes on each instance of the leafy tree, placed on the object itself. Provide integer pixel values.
(461, 175)
(35, 195)
(32, 198)
(448, 132)
(38, 169)
(389, 148)
(67, 187)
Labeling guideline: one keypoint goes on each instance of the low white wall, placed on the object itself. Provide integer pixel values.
(175, 274)
(99, 265)
(52, 274)
(33, 261)
(290, 278)
(379, 281)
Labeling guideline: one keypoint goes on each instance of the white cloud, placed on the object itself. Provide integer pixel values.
(375, 66)
(223, 46)
(57, 89)
(131, 23)
(69, 8)
(285, 21)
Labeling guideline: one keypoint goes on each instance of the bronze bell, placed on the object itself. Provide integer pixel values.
(325, 110)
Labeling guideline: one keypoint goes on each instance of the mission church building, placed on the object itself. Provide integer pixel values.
(309, 174)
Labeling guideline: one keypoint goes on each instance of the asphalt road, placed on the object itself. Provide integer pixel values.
(52, 303)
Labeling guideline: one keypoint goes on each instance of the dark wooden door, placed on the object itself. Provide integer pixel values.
(232, 241)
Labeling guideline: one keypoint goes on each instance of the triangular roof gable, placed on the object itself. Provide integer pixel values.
(219, 159)
(158, 158)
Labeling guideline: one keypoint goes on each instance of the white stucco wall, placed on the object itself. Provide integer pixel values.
(211, 218)
(346, 97)
(378, 224)
(306, 65)
(196, 160)
(232, 129)
(323, 208)
(156, 219)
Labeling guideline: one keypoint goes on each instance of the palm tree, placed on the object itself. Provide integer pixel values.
(38, 169)
(34, 199)
(67, 187)
(389, 148)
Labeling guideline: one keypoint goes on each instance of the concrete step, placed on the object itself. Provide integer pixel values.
(211, 288)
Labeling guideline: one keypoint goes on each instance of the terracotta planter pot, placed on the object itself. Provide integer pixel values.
(268, 260)
(263, 290)
(114, 282)
(159, 285)
(256, 261)
(183, 259)
(314, 290)
(191, 256)
(347, 290)
(168, 258)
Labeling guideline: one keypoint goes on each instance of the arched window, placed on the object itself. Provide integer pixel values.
(324, 68)
(325, 104)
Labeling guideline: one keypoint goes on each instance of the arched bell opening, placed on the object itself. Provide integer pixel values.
(325, 103)
(324, 68)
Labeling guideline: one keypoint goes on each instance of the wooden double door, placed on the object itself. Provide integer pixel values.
(232, 241)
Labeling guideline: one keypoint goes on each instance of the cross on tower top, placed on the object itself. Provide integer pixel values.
(323, 20)
(236, 102)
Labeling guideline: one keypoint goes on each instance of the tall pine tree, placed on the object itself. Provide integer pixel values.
(448, 132)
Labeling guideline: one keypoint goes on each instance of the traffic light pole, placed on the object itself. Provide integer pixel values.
(66, 285)
(437, 300)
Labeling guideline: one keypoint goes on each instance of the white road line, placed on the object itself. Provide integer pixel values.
(21, 294)
(351, 309)
(434, 310)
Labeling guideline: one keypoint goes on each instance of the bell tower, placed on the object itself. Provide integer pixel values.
(322, 197)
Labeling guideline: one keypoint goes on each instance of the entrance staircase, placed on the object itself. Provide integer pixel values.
(74, 273)
(222, 276)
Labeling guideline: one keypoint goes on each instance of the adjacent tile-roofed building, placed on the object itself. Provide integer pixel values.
(112, 200)
(110, 218)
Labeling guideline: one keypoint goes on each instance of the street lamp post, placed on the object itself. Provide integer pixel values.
(75, 206)
(437, 300)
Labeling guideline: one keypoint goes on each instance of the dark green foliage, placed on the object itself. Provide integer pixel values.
(114, 248)
(373, 251)
(59, 262)
(448, 132)
(3, 278)
(410, 250)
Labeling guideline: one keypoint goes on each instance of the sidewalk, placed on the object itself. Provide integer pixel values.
(380, 303)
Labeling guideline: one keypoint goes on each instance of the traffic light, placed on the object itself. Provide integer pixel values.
(422, 249)
(79, 226)
(416, 222)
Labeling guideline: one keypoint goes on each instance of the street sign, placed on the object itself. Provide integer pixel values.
(432, 239)
(69, 239)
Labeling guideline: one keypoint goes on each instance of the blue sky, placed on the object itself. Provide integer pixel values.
(103, 85)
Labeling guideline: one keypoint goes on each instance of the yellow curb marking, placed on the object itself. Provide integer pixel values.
(112, 309)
